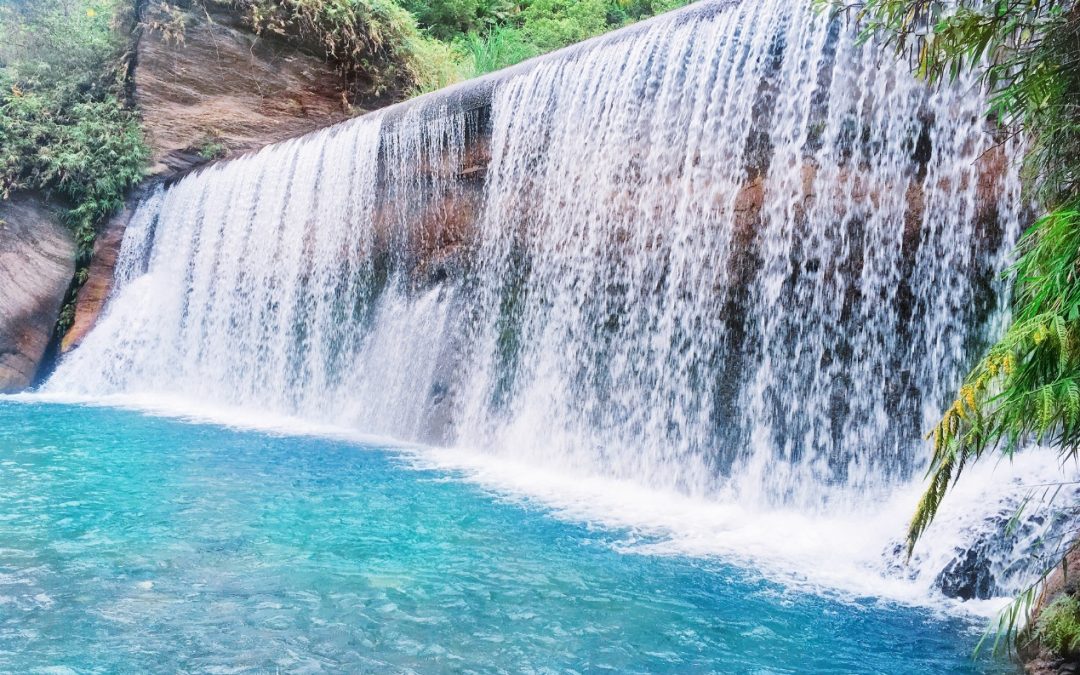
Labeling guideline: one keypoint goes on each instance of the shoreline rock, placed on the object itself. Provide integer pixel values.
(37, 262)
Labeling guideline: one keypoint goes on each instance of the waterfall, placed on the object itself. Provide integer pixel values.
(729, 254)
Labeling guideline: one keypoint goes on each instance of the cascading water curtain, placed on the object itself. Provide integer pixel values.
(739, 253)
(728, 252)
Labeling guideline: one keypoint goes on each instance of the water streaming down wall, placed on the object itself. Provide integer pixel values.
(751, 248)
(729, 252)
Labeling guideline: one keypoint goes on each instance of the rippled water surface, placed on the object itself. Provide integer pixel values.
(136, 543)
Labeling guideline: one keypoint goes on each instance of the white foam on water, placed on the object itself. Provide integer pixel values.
(849, 555)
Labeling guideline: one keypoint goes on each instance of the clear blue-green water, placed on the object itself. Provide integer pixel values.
(131, 543)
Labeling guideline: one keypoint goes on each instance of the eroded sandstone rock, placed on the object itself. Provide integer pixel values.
(37, 261)
(93, 294)
(217, 88)
(213, 89)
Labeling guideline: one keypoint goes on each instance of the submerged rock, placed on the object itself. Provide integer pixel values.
(1006, 551)
(37, 261)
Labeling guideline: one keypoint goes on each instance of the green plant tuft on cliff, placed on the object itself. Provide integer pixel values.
(211, 148)
(376, 44)
(1058, 627)
(64, 142)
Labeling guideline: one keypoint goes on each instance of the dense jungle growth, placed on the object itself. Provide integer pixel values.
(65, 125)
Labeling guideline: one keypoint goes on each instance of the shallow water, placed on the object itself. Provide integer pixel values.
(132, 543)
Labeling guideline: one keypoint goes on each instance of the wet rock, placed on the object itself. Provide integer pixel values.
(1036, 658)
(93, 294)
(896, 564)
(1004, 551)
(37, 262)
(969, 575)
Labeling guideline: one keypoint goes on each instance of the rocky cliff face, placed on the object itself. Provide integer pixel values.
(37, 261)
(211, 89)
(209, 86)
(93, 294)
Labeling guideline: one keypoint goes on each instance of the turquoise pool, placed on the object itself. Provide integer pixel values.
(134, 543)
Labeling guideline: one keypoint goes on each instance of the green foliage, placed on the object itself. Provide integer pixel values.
(447, 20)
(56, 140)
(551, 24)
(64, 128)
(433, 64)
(66, 318)
(493, 34)
(501, 47)
(375, 43)
(58, 39)
(1058, 627)
(212, 148)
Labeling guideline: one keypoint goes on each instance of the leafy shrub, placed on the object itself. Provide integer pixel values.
(1058, 627)
(448, 20)
(211, 147)
(70, 40)
(492, 34)
(64, 128)
(431, 64)
(551, 24)
(376, 44)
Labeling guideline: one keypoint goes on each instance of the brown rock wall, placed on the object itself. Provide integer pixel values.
(216, 83)
(37, 261)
